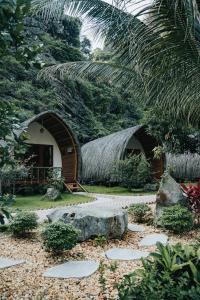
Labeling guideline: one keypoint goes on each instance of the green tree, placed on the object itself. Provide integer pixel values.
(175, 136)
(12, 34)
(163, 49)
(86, 47)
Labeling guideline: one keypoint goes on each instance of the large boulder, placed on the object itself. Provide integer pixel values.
(52, 194)
(93, 221)
(169, 193)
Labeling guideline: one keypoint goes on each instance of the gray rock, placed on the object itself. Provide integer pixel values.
(135, 227)
(73, 269)
(169, 193)
(93, 221)
(152, 239)
(9, 262)
(52, 194)
(125, 254)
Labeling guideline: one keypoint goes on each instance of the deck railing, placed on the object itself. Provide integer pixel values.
(39, 175)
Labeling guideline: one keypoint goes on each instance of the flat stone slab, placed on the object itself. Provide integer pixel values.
(125, 254)
(152, 239)
(9, 262)
(73, 269)
(135, 227)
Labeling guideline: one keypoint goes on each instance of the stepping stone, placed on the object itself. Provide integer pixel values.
(125, 254)
(73, 269)
(9, 262)
(152, 239)
(135, 227)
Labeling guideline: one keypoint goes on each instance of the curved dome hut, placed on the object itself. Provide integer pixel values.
(99, 156)
(52, 145)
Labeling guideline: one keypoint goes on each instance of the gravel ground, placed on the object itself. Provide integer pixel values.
(26, 281)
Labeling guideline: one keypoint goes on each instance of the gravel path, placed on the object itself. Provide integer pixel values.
(110, 201)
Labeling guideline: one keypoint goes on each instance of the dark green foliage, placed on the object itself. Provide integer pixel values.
(61, 51)
(58, 237)
(172, 272)
(92, 109)
(151, 187)
(176, 218)
(139, 211)
(68, 30)
(55, 181)
(26, 190)
(86, 47)
(101, 241)
(3, 227)
(5, 202)
(22, 223)
(132, 172)
(175, 136)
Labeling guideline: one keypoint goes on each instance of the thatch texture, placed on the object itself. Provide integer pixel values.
(99, 156)
(184, 166)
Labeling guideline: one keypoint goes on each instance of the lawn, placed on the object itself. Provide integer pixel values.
(115, 190)
(35, 202)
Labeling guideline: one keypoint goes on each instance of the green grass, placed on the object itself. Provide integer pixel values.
(35, 202)
(115, 190)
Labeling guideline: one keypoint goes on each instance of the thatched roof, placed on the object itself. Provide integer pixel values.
(98, 156)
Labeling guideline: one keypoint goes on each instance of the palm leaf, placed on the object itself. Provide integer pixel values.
(163, 49)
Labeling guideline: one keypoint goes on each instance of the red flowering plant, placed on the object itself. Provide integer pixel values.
(192, 192)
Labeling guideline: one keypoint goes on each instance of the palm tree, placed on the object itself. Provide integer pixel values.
(157, 48)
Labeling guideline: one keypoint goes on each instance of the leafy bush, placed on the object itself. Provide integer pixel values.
(151, 187)
(172, 272)
(139, 211)
(176, 218)
(22, 223)
(55, 180)
(5, 202)
(101, 241)
(58, 237)
(132, 172)
(4, 228)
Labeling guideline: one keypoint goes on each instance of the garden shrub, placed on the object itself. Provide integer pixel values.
(59, 236)
(176, 218)
(4, 228)
(172, 272)
(132, 172)
(101, 241)
(22, 223)
(139, 211)
(151, 187)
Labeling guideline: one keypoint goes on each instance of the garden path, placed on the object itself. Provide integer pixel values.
(107, 201)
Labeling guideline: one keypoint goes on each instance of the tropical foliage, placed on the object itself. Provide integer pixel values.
(192, 192)
(132, 172)
(158, 47)
(172, 272)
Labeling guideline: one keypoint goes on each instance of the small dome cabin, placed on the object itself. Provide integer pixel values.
(51, 146)
(99, 156)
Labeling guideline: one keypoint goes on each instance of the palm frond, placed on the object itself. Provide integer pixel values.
(163, 49)
(117, 74)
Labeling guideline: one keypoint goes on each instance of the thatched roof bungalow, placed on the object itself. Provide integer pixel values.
(99, 156)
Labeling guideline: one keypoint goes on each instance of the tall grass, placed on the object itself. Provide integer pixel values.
(184, 166)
